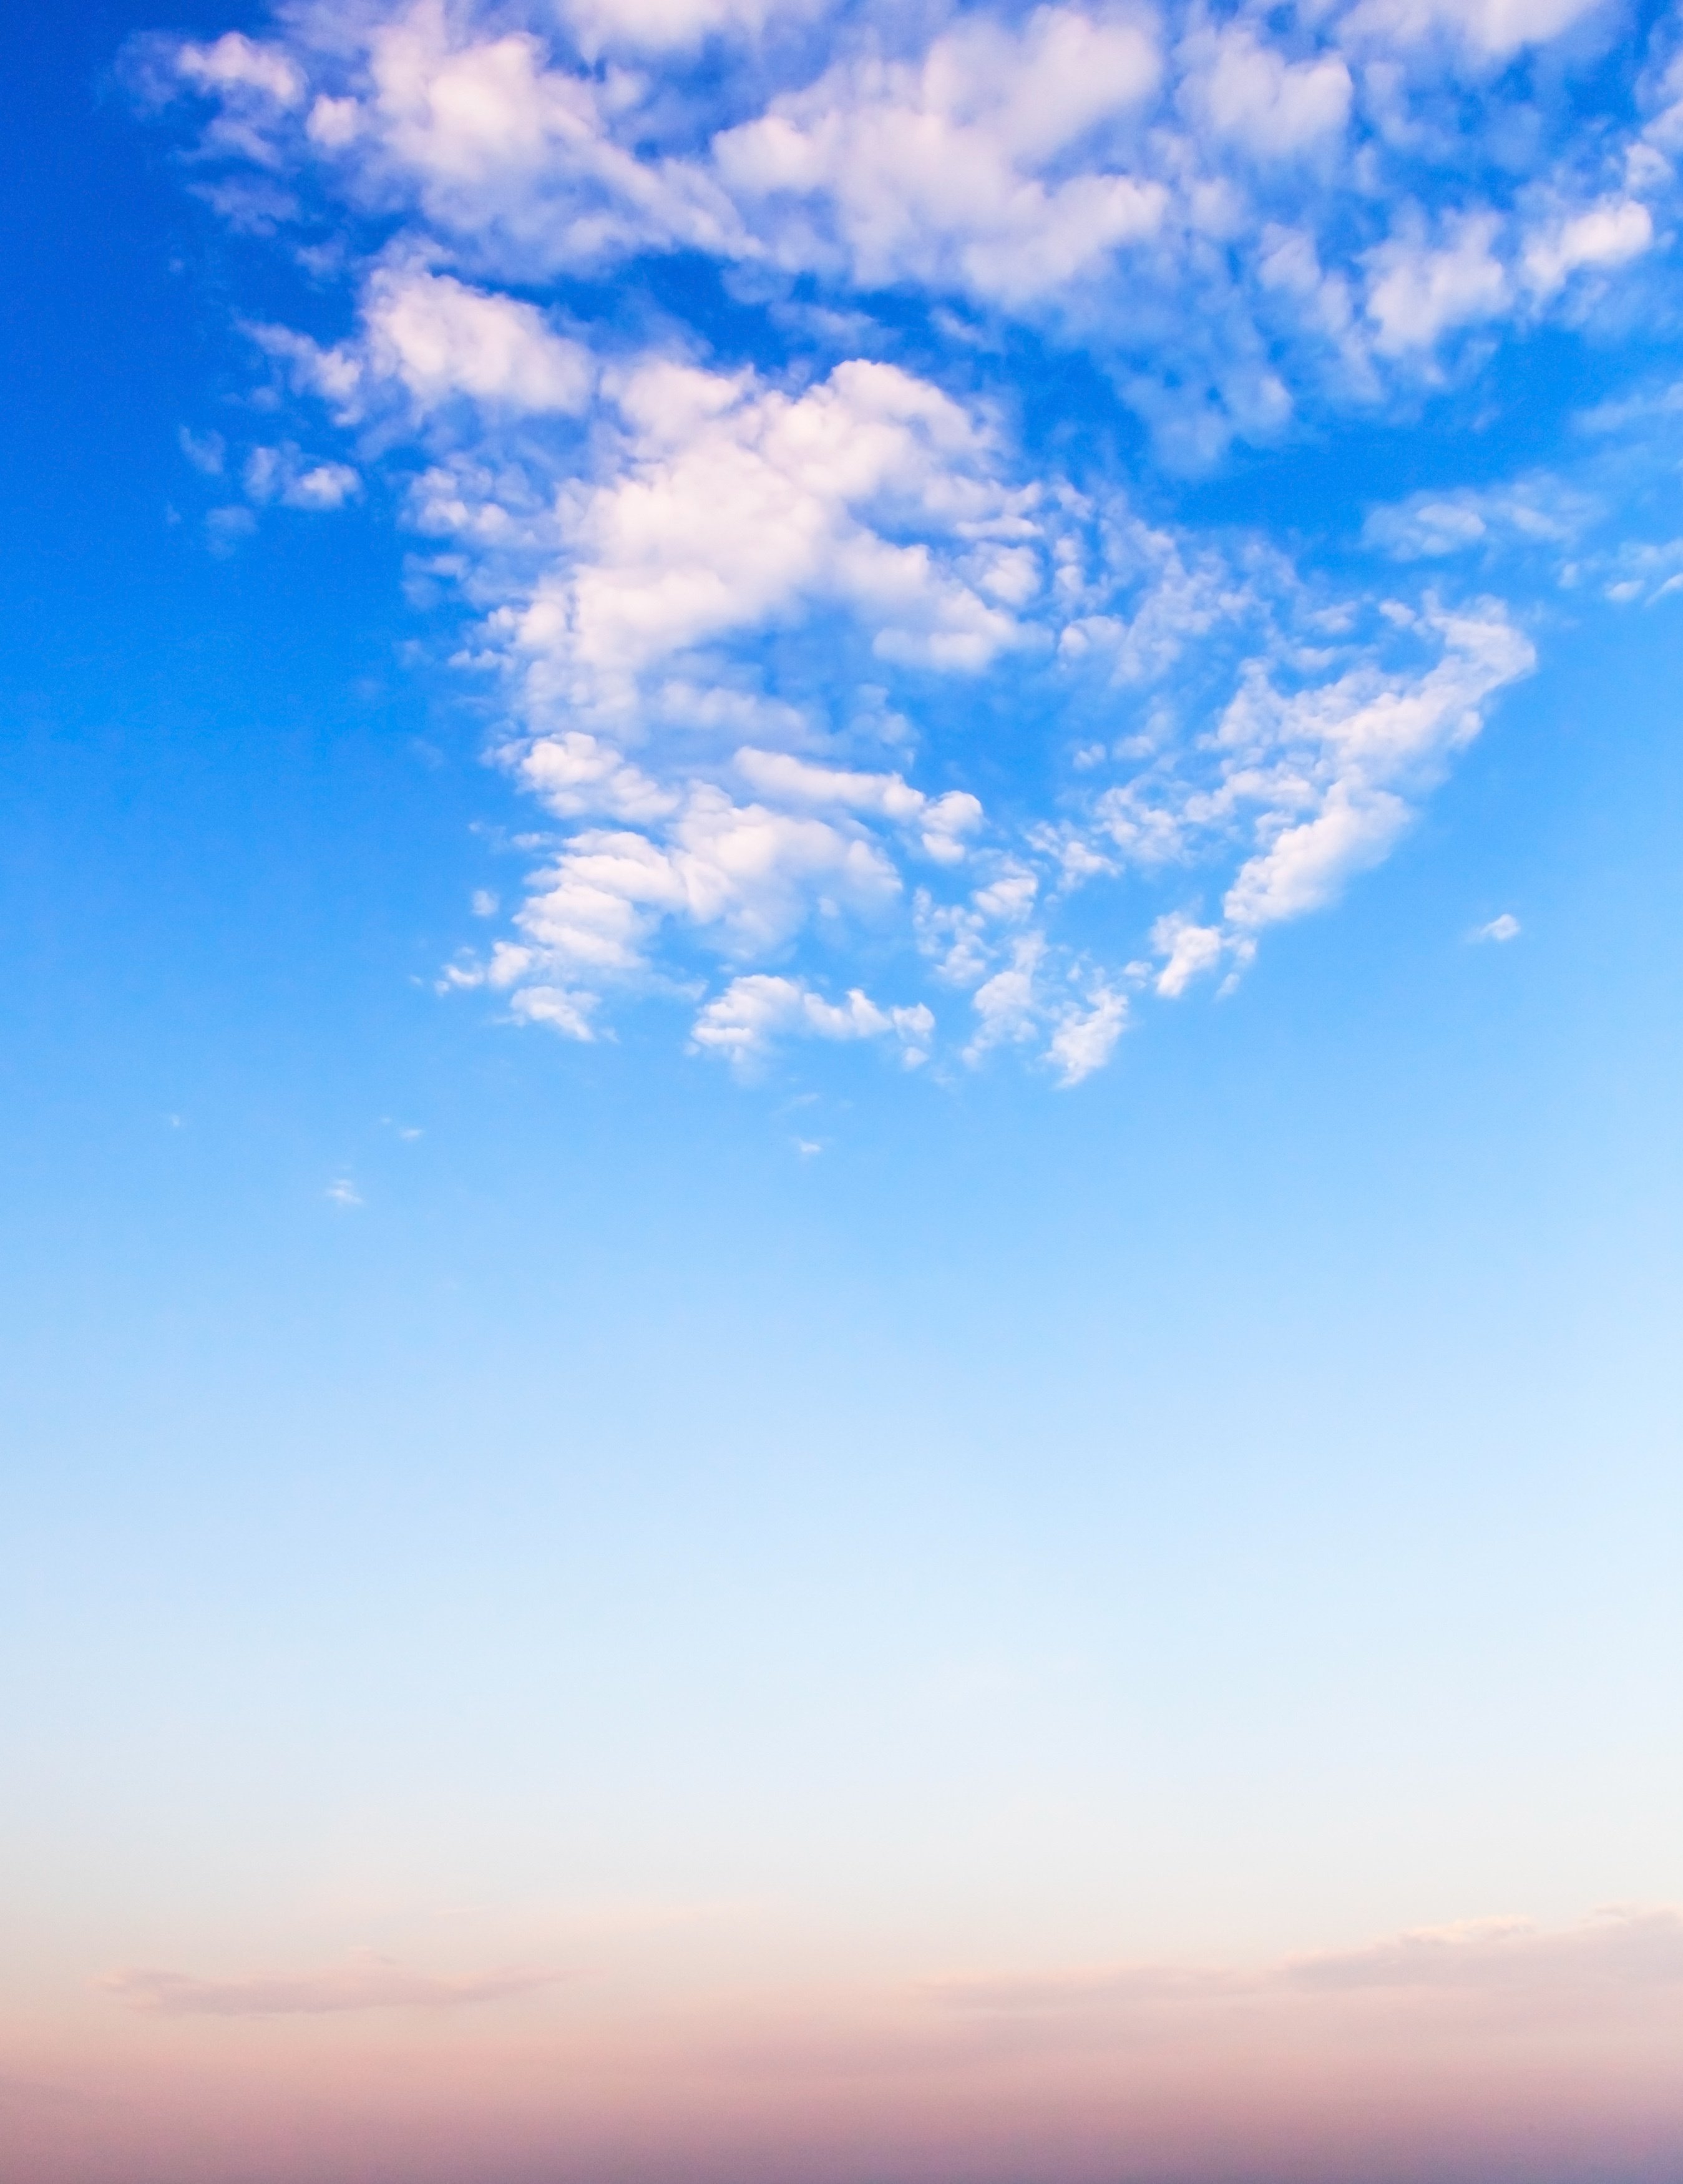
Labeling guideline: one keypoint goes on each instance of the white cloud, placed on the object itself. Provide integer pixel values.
(1086, 1038)
(939, 172)
(282, 474)
(1492, 27)
(575, 772)
(234, 62)
(437, 340)
(746, 878)
(441, 339)
(497, 145)
(1506, 927)
(941, 822)
(1336, 765)
(1008, 1004)
(1416, 293)
(1188, 949)
(727, 506)
(755, 1011)
(570, 1012)
(1608, 234)
(1248, 91)
(649, 26)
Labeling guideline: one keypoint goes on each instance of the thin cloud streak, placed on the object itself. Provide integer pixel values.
(365, 1982)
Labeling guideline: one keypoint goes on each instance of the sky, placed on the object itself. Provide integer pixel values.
(838, 1119)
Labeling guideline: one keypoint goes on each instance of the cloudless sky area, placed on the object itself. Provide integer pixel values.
(840, 876)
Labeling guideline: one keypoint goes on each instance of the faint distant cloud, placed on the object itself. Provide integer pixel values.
(226, 526)
(365, 1981)
(1627, 1947)
(1505, 928)
(284, 474)
(205, 451)
(484, 904)
(1535, 510)
(343, 1192)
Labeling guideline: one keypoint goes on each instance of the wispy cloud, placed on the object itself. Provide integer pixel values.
(365, 1981)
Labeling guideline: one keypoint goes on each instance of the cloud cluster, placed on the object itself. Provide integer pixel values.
(761, 616)
(1244, 222)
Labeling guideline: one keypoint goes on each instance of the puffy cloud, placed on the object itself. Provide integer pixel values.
(742, 1023)
(236, 63)
(282, 474)
(1188, 949)
(440, 338)
(1417, 293)
(1243, 89)
(1608, 234)
(1085, 1039)
(941, 171)
(500, 147)
(436, 339)
(941, 822)
(729, 506)
(747, 878)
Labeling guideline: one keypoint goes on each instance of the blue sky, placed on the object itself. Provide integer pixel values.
(839, 1116)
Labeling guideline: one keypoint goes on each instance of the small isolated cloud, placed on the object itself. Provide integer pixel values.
(236, 63)
(1086, 1038)
(224, 527)
(342, 1191)
(282, 474)
(1506, 927)
(205, 451)
(365, 1981)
